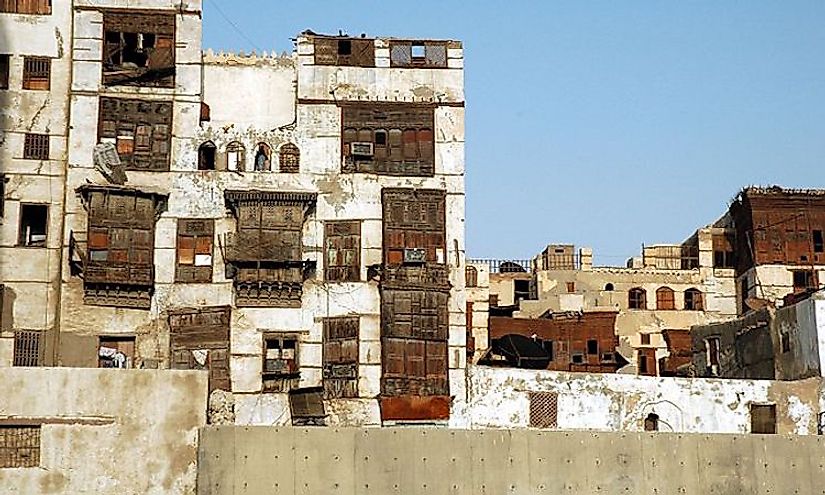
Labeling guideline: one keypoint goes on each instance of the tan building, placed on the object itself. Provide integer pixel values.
(286, 222)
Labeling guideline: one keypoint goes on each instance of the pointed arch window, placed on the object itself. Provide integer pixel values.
(235, 156)
(206, 156)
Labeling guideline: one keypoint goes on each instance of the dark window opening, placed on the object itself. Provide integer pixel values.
(547, 345)
(608, 357)
(262, 155)
(804, 280)
(206, 156)
(36, 147)
(380, 138)
(723, 259)
(344, 47)
(744, 289)
(608, 287)
(521, 290)
(642, 364)
(116, 352)
(637, 299)
(819, 245)
(577, 358)
(652, 422)
(5, 62)
(694, 300)
(139, 49)
(571, 287)
(645, 339)
(763, 418)
(37, 73)
(786, 342)
(33, 225)
(3, 180)
(593, 347)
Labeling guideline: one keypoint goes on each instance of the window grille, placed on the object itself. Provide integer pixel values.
(37, 73)
(19, 446)
(36, 147)
(544, 409)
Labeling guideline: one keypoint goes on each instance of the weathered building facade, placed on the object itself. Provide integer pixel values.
(285, 222)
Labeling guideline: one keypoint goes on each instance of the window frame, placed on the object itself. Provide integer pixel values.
(637, 298)
(14, 453)
(37, 73)
(470, 276)
(665, 299)
(23, 239)
(694, 300)
(44, 7)
(36, 146)
(342, 272)
(5, 70)
(185, 232)
(289, 159)
(768, 425)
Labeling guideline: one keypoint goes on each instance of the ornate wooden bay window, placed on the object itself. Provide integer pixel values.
(264, 255)
(118, 265)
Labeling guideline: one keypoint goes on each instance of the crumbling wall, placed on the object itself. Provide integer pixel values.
(112, 431)
(500, 398)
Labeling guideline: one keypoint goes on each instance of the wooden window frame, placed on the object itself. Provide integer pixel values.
(122, 344)
(129, 33)
(36, 146)
(341, 356)
(665, 299)
(276, 380)
(202, 244)
(645, 338)
(694, 300)
(340, 271)
(471, 276)
(289, 159)
(637, 298)
(37, 73)
(763, 419)
(24, 7)
(140, 129)
(810, 280)
(239, 150)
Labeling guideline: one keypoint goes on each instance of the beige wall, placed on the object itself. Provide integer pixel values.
(420, 461)
(106, 431)
(480, 297)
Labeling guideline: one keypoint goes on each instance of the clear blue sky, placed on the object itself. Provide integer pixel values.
(603, 123)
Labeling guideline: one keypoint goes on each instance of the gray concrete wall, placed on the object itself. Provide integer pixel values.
(240, 460)
(105, 430)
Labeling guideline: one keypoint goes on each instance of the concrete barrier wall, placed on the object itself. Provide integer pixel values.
(408, 461)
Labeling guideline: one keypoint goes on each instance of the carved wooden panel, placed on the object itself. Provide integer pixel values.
(345, 51)
(199, 339)
(194, 250)
(341, 357)
(342, 256)
(140, 129)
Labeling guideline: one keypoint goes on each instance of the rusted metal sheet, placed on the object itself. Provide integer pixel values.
(388, 138)
(412, 408)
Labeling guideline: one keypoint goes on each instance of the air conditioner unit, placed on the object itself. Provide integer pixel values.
(416, 255)
(361, 149)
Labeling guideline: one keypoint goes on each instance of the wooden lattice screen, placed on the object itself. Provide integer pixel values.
(544, 409)
(27, 348)
(19, 446)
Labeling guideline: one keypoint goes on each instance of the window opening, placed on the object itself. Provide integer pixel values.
(344, 47)
(804, 280)
(116, 352)
(593, 347)
(235, 156)
(418, 52)
(343, 251)
(547, 345)
(341, 357)
(139, 49)
(665, 298)
(608, 287)
(5, 62)
(763, 418)
(471, 276)
(33, 225)
(819, 245)
(544, 409)
(577, 358)
(652, 422)
(262, 155)
(645, 339)
(290, 159)
(37, 73)
(643, 364)
(571, 287)
(206, 156)
(637, 299)
(36, 147)
(694, 300)
(785, 338)
(280, 363)
(195, 244)
(28, 349)
(713, 348)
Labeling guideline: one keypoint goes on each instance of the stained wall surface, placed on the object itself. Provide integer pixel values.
(246, 460)
(105, 431)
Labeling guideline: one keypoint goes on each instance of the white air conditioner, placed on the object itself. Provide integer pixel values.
(416, 255)
(361, 148)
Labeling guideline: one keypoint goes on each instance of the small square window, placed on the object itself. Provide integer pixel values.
(344, 47)
(418, 51)
(593, 347)
(577, 358)
(763, 418)
(36, 147)
(116, 352)
(37, 73)
(645, 339)
(33, 225)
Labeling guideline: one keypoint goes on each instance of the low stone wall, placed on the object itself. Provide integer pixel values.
(252, 460)
(96, 431)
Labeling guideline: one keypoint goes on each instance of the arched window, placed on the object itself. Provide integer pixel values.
(694, 300)
(637, 298)
(608, 287)
(262, 155)
(206, 156)
(652, 422)
(290, 159)
(665, 298)
(235, 156)
(471, 275)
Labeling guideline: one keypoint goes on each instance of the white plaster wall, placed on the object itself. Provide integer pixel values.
(106, 431)
(499, 398)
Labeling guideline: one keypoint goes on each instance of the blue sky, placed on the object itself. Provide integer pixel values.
(600, 123)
